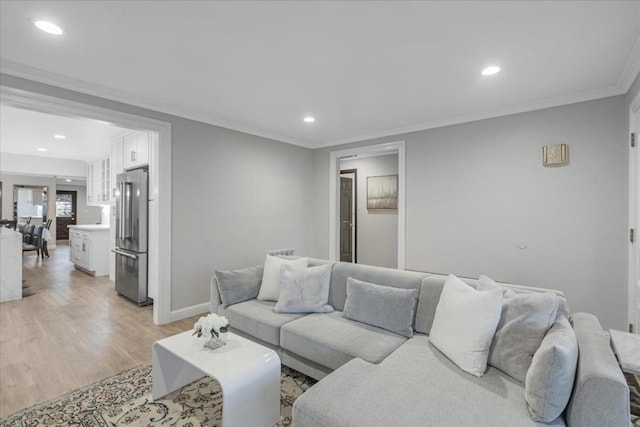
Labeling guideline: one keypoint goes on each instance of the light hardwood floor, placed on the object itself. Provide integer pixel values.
(74, 331)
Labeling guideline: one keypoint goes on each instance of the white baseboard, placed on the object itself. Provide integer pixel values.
(194, 310)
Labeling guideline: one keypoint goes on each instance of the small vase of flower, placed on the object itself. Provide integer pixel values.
(214, 328)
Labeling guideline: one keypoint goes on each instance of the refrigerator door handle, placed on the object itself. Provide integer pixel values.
(120, 214)
(128, 255)
(125, 210)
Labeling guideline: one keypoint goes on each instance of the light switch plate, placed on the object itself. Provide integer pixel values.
(555, 155)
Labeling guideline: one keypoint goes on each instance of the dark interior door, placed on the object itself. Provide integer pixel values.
(346, 219)
(66, 208)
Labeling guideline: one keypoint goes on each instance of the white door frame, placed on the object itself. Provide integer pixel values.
(634, 217)
(160, 181)
(334, 194)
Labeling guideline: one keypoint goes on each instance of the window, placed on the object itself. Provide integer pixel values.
(64, 205)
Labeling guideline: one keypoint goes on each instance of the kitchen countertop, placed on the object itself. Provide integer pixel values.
(90, 227)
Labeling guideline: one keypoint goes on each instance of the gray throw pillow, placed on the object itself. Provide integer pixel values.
(239, 285)
(382, 306)
(550, 378)
(304, 290)
(524, 321)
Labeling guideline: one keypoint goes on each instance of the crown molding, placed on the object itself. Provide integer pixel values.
(483, 115)
(628, 74)
(631, 68)
(58, 80)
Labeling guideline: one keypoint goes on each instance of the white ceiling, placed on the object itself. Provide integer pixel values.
(24, 131)
(363, 69)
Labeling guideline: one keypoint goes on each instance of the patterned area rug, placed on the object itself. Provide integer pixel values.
(125, 400)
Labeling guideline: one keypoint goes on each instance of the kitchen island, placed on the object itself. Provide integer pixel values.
(89, 248)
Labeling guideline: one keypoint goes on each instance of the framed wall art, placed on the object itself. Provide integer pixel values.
(382, 192)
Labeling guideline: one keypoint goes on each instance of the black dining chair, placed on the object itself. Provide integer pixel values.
(27, 232)
(33, 241)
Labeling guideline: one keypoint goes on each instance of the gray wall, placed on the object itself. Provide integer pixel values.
(377, 231)
(235, 196)
(85, 214)
(475, 190)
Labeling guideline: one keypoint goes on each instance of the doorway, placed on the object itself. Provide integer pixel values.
(634, 218)
(66, 211)
(30, 204)
(335, 165)
(348, 215)
(159, 180)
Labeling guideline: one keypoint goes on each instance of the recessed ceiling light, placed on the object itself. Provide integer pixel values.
(67, 180)
(59, 137)
(49, 27)
(489, 71)
(42, 149)
(309, 119)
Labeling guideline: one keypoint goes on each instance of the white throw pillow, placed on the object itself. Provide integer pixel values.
(464, 324)
(270, 287)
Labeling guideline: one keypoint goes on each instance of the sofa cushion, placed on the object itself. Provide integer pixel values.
(382, 306)
(331, 340)
(465, 323)
(524, 322)
(238, 285)
(378, 275)
(430, 290)
(270, 286)
(415, 386)
(550, 378)
(257, 318)
(304, 290)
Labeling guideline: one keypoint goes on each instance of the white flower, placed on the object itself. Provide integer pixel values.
(210, 325)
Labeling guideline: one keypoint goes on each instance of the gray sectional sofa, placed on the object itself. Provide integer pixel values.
(370, 376)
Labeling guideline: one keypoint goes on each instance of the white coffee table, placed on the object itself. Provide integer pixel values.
(248, 373)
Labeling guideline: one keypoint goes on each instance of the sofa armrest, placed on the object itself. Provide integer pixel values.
(215, 300)
(600, 393)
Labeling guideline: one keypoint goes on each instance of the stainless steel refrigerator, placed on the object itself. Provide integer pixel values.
(132, 219)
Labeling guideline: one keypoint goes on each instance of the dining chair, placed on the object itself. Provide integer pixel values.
(34, 242)
(45, 249)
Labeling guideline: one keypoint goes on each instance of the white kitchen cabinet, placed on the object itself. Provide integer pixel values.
(117, 166)
(135, 149)
(90, 184)
(90, 248)
(105, 175)
(98, 181)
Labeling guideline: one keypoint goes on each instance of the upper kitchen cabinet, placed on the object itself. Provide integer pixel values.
(98, 181)
(117, 160)
(90, 184)
(136, 150)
